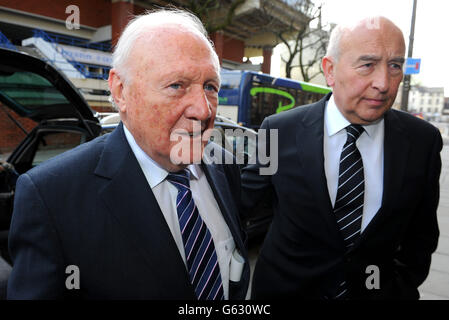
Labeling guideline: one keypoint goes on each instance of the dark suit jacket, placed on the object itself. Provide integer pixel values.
(92, 207)
(303, 254)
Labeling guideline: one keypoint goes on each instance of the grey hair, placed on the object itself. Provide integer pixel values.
(333, 48)
(178, 18)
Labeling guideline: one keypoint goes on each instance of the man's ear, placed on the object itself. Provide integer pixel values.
(116, 87)
(329, 70)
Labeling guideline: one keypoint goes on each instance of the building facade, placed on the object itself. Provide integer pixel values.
(426, 101)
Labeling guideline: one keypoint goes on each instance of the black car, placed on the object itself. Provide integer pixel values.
(34, 89)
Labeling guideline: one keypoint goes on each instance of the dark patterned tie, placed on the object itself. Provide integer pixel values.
(201, 257)
(348, 206)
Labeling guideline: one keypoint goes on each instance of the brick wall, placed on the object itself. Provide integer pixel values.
(94, 13)
(103, 109)
(10, 134)
(233, 49)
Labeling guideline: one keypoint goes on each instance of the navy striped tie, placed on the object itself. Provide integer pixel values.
(202, 263)
(348, 208)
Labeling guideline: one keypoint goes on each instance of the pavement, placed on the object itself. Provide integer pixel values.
(436, 286)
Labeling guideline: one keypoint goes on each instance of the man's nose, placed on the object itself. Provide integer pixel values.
(381, 79)
(200, 108)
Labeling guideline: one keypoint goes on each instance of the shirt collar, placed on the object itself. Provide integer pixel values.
(195, 171)
(335, 121)
(154, 173)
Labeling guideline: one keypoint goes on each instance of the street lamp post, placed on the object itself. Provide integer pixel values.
(406, 82)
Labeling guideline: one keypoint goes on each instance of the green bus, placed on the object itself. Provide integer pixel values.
(247, 97)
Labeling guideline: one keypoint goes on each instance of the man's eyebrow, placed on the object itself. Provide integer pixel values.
(215, 79)
(398, 59)
(369, 57)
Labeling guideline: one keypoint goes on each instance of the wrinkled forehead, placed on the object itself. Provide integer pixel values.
(160, 39)
(168, 50)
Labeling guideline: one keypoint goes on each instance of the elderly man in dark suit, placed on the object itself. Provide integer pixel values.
(357, 188)
(123, 216)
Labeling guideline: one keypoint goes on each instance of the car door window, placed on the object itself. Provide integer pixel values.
(51, 144)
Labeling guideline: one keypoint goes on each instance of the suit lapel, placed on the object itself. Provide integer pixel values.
(130, 200)
(309, 140)
(396, 150)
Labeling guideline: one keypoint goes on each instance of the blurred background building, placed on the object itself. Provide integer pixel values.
(48, 29)
(77, 37)
(425, 102)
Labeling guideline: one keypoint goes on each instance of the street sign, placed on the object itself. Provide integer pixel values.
(412, 66)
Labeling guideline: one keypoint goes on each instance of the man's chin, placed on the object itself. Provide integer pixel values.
(375, 117)
(369, 115)
(175, 167)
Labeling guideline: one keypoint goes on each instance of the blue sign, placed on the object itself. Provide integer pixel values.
(412, 66)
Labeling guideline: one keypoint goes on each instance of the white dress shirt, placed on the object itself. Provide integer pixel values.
(166, 193)
(371, 147)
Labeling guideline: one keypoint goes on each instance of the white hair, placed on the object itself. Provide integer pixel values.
(167, 17)
(333, 47)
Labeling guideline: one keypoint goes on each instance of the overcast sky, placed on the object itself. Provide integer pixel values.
(431, 42)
